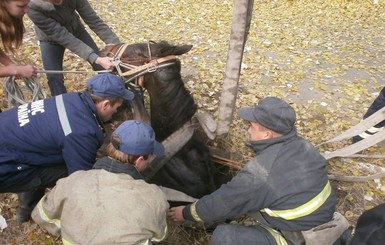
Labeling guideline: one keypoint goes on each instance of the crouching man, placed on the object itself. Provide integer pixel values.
(285, 187)
(110, 204)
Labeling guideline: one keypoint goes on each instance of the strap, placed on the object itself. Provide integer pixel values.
(121, 51)
(61, 110)
(356, 147)
(175, 195)
(370, 121)
(153, 64)
(304, 209)
(172, 144)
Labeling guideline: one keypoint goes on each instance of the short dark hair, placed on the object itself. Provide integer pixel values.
(96, 99)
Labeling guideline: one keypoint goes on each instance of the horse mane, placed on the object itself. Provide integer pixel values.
(174, 102)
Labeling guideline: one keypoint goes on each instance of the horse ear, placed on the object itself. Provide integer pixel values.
(178, 50)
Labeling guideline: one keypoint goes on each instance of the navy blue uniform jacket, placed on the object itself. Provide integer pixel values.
(60, 130)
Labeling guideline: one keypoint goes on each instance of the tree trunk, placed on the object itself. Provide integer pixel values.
(242, 14)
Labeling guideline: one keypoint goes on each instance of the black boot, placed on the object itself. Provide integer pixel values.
(346, 236)
(27, 202)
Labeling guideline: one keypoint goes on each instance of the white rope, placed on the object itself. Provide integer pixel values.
(75, 72)
(15, 94)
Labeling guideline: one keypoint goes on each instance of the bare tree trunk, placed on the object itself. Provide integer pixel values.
(242, 14)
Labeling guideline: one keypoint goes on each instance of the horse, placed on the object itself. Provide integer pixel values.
(156, 69)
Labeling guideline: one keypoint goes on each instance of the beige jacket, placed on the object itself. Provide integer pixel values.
(100, 207)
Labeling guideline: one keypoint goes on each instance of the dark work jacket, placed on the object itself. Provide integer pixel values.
(61, 24)
(33, 135)
(286, 173)
(117, 167)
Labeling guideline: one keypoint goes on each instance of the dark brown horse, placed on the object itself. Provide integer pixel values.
(156, 69)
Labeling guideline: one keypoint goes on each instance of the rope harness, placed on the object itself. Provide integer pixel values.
(136, 72)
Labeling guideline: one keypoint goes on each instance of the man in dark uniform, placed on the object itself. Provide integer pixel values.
(48, 139)
(285, 187)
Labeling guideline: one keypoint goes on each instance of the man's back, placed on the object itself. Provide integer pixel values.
(37, 133)
(104, 208)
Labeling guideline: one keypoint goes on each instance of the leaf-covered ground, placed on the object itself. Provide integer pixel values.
(327, 58)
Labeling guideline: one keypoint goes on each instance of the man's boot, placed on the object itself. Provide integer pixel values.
(27, 202)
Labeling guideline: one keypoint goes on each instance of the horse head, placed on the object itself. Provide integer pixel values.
(154, 67)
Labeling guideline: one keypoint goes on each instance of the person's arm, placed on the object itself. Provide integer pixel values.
(11, 69)
(58, 33)
(96, 24)
(48, 211)
(79, 151)
(243, 194)
(101, 29)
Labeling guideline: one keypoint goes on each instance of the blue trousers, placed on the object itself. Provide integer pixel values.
(230, 234)
(52, 55)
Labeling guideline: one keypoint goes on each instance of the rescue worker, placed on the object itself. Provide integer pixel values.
(285, 187)
(110, 204)
(47, 139)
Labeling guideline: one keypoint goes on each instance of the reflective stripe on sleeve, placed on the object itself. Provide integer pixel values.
(194, 213)
(304, 209)
(155, 239)
(45, 217)
(61, 110)
(65, 242)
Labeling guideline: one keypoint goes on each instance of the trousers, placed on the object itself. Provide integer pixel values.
(52, 55)
(230, 234)
(377, 104)
(30, 184)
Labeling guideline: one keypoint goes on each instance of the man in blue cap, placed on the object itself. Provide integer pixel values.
(115, 204)
(285, 188)
(48, 139)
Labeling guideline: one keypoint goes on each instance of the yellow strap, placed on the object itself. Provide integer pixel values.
(279, 239)
(304, 209)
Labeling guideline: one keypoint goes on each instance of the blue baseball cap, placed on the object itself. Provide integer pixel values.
(138, 138)
(109, 85)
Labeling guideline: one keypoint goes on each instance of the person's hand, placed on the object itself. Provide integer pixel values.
(27, 71)
(105, 62)
(176, 213)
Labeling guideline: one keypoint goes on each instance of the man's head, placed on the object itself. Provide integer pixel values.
(108, 92)
(271, 114)
(136, 140)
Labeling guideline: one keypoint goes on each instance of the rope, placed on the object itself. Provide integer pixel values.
(15, 94)
(75, 72)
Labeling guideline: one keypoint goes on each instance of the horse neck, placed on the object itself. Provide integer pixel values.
(171, 105)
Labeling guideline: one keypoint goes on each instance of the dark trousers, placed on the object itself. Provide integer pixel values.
(377, 104)
(30, 184)
(230, 234)
(52, 56)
